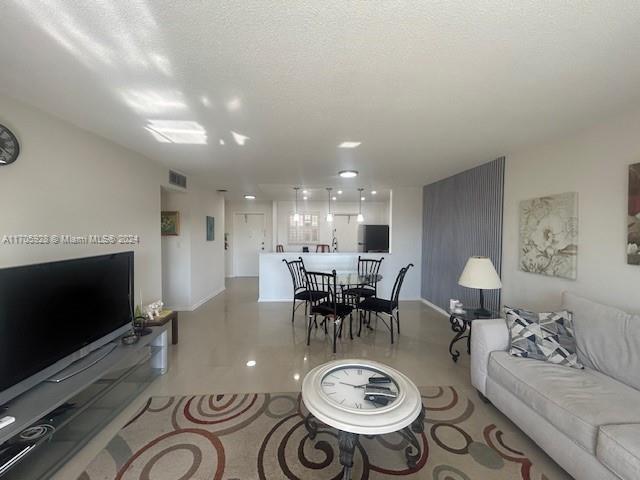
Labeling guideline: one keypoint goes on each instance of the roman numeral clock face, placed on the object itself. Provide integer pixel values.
(9, 147)
(359, 387)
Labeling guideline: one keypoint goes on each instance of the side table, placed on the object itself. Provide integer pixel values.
(461, 324)
(166, 316)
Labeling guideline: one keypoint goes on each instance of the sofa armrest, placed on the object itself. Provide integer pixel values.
(488, 336)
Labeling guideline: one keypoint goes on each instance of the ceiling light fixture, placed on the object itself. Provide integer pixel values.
(250, 197)
(360, 217)
(349, 144)
(251, 363)
(205, 101)
(373, 192)
(334, 198)
(329, 214)
(221, 142)
(348, 173)
(339, 192)
(304, 192)
(296, 215)
(362, 198)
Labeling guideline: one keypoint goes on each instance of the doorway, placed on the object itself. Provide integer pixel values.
(345, 229)
(248, 241)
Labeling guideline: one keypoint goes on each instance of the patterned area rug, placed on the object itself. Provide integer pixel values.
(263, 436)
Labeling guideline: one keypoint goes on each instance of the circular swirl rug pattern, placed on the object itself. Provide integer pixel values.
(262, 436)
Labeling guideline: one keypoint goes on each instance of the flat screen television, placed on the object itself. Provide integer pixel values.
(53, 314)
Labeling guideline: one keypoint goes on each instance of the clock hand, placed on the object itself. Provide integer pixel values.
(354, 386)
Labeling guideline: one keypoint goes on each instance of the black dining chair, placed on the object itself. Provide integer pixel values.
(368, 268)
(382, 306)
(331, 307)
(300, 292)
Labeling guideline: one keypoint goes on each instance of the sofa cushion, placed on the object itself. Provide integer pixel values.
(577, 402)
(542, 336)
(607, 338)
(619, 449)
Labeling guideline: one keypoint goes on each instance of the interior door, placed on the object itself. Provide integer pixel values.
(346, 233)
(249, 238)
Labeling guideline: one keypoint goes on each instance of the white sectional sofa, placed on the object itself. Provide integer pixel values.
(587, 420)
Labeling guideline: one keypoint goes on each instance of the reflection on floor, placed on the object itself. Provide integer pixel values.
(221, 337)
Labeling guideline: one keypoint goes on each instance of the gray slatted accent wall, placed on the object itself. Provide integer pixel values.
(462, 218)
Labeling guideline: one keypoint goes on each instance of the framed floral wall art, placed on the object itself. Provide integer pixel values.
(549, 235)
(633, 229)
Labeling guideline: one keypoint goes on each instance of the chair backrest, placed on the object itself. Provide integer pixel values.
(305, 249)
(323, 248)
(323, 282)
(279, 248)
(296, 269)
(395, 293)
(369, 267)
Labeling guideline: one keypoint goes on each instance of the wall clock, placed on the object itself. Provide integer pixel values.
(9, 146)
(363, 397)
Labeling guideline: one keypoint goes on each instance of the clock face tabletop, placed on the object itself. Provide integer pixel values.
(361, 396)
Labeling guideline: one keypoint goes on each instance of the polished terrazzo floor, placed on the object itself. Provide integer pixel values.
(218, 339)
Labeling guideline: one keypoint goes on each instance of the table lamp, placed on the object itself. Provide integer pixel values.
(480, 273)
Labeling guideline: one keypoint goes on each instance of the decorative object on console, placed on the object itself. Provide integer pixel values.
(633, 238)
(170, 223)
(543, 336)
(211, 222)
(9, 146)
(479, 273)
(549, 235)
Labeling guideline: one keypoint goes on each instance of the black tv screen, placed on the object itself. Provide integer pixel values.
(51, 310)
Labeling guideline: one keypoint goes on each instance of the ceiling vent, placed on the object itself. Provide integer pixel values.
(177, 179)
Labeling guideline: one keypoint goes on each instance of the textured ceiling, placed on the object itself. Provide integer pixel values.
(429, 87)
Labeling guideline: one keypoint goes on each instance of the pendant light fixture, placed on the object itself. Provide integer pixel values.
(296, 215)
(329, 214)
(360, 216)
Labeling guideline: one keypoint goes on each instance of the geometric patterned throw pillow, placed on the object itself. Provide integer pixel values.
(542, 336)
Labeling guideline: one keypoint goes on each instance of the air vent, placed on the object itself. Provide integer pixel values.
(177, 179)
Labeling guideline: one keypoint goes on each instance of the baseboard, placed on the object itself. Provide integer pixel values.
(264, 300)
(198, 304)
(435, 307)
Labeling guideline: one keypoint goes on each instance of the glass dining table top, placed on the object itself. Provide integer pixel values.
(350, 278)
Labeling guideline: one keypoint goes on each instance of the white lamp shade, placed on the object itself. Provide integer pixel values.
(479, 272)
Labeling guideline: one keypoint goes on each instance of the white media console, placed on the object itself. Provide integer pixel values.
(69, 413)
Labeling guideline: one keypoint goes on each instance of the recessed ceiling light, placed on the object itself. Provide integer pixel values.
(305, 198)
(373, 192)
(177, 131)
(251, 363)
(334, 198)
(239, 138)
(250, 197)
(349, 144)
(205, 101)
(362, 198)
(296, 376)
(339, 192)
(348, 173)
(305, 191)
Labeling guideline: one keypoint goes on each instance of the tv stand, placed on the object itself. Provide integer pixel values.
(78, 408)
(84, 363)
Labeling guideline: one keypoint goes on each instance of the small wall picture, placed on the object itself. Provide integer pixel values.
(633, 238)
(549, 235)
(211, 228)
(169, 223)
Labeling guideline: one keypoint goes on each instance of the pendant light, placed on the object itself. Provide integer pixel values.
(360, 216)
(296, 215)
(329, 214)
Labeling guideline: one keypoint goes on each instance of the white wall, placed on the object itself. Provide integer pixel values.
(406, 237)
(375, 213)
(246, 206)
(69, 181)
(593, 163)
(193, 268)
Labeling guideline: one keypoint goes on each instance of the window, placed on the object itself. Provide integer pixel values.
(306, 230)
